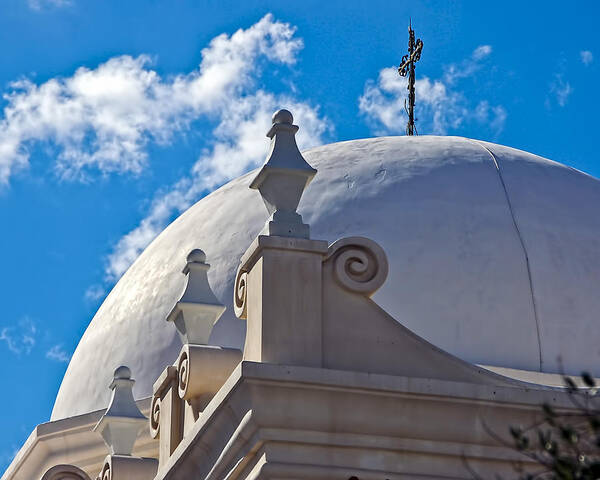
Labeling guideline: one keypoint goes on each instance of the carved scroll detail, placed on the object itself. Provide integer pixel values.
(202, 370)
(106, 473)
(359, 264)
(155, 416)
(65, 472)
(183, 372)
(240, 306)
(127, 467)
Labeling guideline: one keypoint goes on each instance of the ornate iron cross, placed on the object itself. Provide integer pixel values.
(415, 47)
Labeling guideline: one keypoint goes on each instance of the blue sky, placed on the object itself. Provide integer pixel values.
(116, 116)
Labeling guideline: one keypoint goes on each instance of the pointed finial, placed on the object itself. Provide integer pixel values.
(122, 421)
(283, 179)
(198, 309)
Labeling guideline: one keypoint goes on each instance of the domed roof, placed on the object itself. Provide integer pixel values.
(494, 256)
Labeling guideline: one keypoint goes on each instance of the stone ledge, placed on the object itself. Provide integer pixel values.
(281, 243)
(323, 410)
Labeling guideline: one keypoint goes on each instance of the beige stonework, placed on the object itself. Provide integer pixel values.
(329, 386)
(277, 421)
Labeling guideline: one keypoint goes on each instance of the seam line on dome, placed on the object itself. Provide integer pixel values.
(522, 242)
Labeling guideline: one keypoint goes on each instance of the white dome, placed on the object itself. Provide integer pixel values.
(494, 256)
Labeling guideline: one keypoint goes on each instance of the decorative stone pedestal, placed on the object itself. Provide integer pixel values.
(279, 293)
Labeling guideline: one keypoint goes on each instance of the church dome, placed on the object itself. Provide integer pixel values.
(494, 256)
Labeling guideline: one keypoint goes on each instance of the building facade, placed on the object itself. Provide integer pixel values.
(437, 314)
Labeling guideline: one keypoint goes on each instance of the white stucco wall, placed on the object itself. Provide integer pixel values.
(494, 256)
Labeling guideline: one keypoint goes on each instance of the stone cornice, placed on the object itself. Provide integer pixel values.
(71, 440)
(245, 415)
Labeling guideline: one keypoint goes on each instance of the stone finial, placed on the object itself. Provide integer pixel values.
(283, 178)
(198, 309)
(122, 421)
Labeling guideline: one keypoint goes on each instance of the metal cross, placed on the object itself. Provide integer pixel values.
(415, 47)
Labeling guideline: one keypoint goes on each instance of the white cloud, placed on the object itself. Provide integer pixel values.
(94, 292)
(240, 145)
(102, 119)
(441, 107)
(241, 113)
(561, 89)
(20, 338)
(494, 116)
(58, 354)
(587, 57)
(481, 51)
(468, 67)
(40, 4)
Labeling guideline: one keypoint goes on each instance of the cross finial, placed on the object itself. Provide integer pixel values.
(415, 47)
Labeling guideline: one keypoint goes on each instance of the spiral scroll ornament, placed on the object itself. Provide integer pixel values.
(240, 306)
(155, 416)
(65, 472)
(359, 264)
(106, 473)
(183, 372)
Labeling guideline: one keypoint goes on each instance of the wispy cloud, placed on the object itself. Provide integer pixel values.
(21, 338)
(102, 119)
(224, 91)
(560, 89)
(587, 57)
(494, 116)
(441, 105)
(58, 354)
(94, 292)
(469, 66)
(481, 51)
(240, 145)
(41, 4)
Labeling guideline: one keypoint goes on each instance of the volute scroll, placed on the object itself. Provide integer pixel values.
(65, 472)
(155, 416)
(359, 264)
(240, 293)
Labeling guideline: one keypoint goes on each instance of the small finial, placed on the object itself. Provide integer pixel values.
(122, 421)
(198, 309)
(283, 179)
(196, 256)
(283, 116)
(122, 373)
